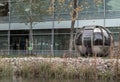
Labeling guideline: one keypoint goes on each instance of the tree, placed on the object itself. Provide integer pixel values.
(74, 15)
(29, 12)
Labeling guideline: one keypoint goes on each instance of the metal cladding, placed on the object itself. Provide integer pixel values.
(93, 40)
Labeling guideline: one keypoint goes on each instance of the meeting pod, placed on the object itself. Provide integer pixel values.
(93, 40)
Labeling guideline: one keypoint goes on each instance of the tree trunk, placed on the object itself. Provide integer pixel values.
(74, 15)
(30, 39)
(31, 31)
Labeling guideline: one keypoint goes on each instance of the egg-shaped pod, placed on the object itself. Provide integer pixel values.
(93, 40)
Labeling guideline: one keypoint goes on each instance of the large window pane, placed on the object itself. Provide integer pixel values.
(3, 40)
(112, 8)
(24, 11)
(91, 10)
(3, 43)
(42, 42)
(62, 10)
(4, 9)
(61, 42)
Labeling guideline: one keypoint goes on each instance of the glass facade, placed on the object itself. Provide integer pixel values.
(42, 39)
(112, 8)
(90, 9)
(16, 15)
(3, 40)
(115, 33)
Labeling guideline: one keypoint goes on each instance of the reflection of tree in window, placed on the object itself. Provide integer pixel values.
(4, 9)
(98, 38)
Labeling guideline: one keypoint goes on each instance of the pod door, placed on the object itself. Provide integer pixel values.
(87, 41)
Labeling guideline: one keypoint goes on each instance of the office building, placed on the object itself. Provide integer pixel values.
(52, 31)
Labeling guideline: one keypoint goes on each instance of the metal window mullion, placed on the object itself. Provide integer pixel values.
(9, 2)
(104, 12)
(52, 37)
